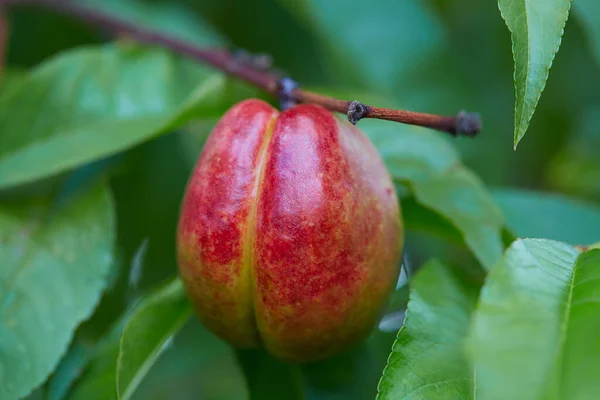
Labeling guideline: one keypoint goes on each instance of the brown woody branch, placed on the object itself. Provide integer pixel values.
(259, 74)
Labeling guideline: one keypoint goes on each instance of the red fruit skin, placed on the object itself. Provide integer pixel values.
(213, 228)
(290, 234)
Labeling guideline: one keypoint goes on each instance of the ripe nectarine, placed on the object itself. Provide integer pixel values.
(290, 233)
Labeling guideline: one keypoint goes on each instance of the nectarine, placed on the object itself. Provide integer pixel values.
(290, 233)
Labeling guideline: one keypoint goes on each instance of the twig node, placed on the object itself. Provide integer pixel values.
(356, 111)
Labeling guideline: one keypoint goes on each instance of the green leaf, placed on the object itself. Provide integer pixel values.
(429, 164)
(152, 323)
(536, 28)
(427, 359)
(463, 199)
(89, 103)
(56, 257)
(587, 12)
(170, 18)
(536, 324)
(553, 216)
(419, 218)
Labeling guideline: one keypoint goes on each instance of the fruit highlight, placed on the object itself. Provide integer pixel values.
(290, 234)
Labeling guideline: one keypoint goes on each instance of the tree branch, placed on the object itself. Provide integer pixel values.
(260, 75)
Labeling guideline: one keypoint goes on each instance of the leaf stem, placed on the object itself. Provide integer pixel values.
(466, 124)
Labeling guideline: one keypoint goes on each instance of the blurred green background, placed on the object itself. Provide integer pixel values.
(438, 56)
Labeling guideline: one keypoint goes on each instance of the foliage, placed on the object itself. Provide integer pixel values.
(425, 359)
(44, 245)
(98, 136)
(542, 289)
(537, 28)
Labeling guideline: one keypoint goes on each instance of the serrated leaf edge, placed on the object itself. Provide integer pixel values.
(525, 125)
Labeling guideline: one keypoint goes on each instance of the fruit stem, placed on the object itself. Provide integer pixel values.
(257, 72)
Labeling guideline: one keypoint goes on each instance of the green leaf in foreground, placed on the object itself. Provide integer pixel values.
(55, 260)
(536, 28)
(152, 323)
(89, 103)
(536, 325)
(548, 215)
(430, 166)
(427, 359)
